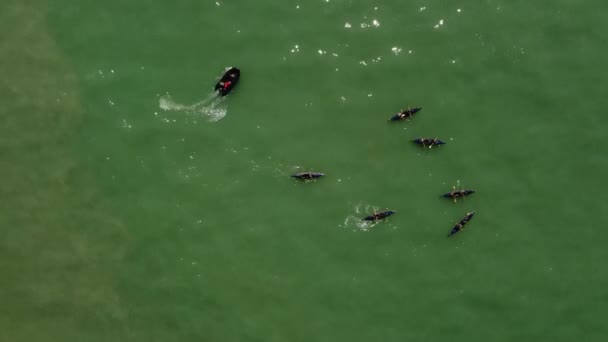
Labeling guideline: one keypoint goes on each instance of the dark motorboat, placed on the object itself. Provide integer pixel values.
(228, 81)
(456, 194)
(308, 175)
(405, 114)
(460, 225)
(428, 142)
(379, 216)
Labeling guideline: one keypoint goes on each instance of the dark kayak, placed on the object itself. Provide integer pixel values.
(379, 216)
(404, 114)
(460, 225)
(428, 142)
(455, 194)
(308, 175)
(228, 81)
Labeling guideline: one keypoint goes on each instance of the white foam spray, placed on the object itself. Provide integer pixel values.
(354, 219)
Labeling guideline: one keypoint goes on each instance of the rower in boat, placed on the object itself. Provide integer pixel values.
(379, 216)
(456, 194)
(428, 142)
(460, 225)
(405, 114)
(306, 176)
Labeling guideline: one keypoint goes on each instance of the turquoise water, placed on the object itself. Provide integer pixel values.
(138, 207)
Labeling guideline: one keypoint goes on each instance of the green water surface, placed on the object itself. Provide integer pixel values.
(134, 206)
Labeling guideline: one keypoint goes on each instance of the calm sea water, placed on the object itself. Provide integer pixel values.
(136, 206)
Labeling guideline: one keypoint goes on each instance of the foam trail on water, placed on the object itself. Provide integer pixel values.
(209, 108)
(356, 223)
(354, 219)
